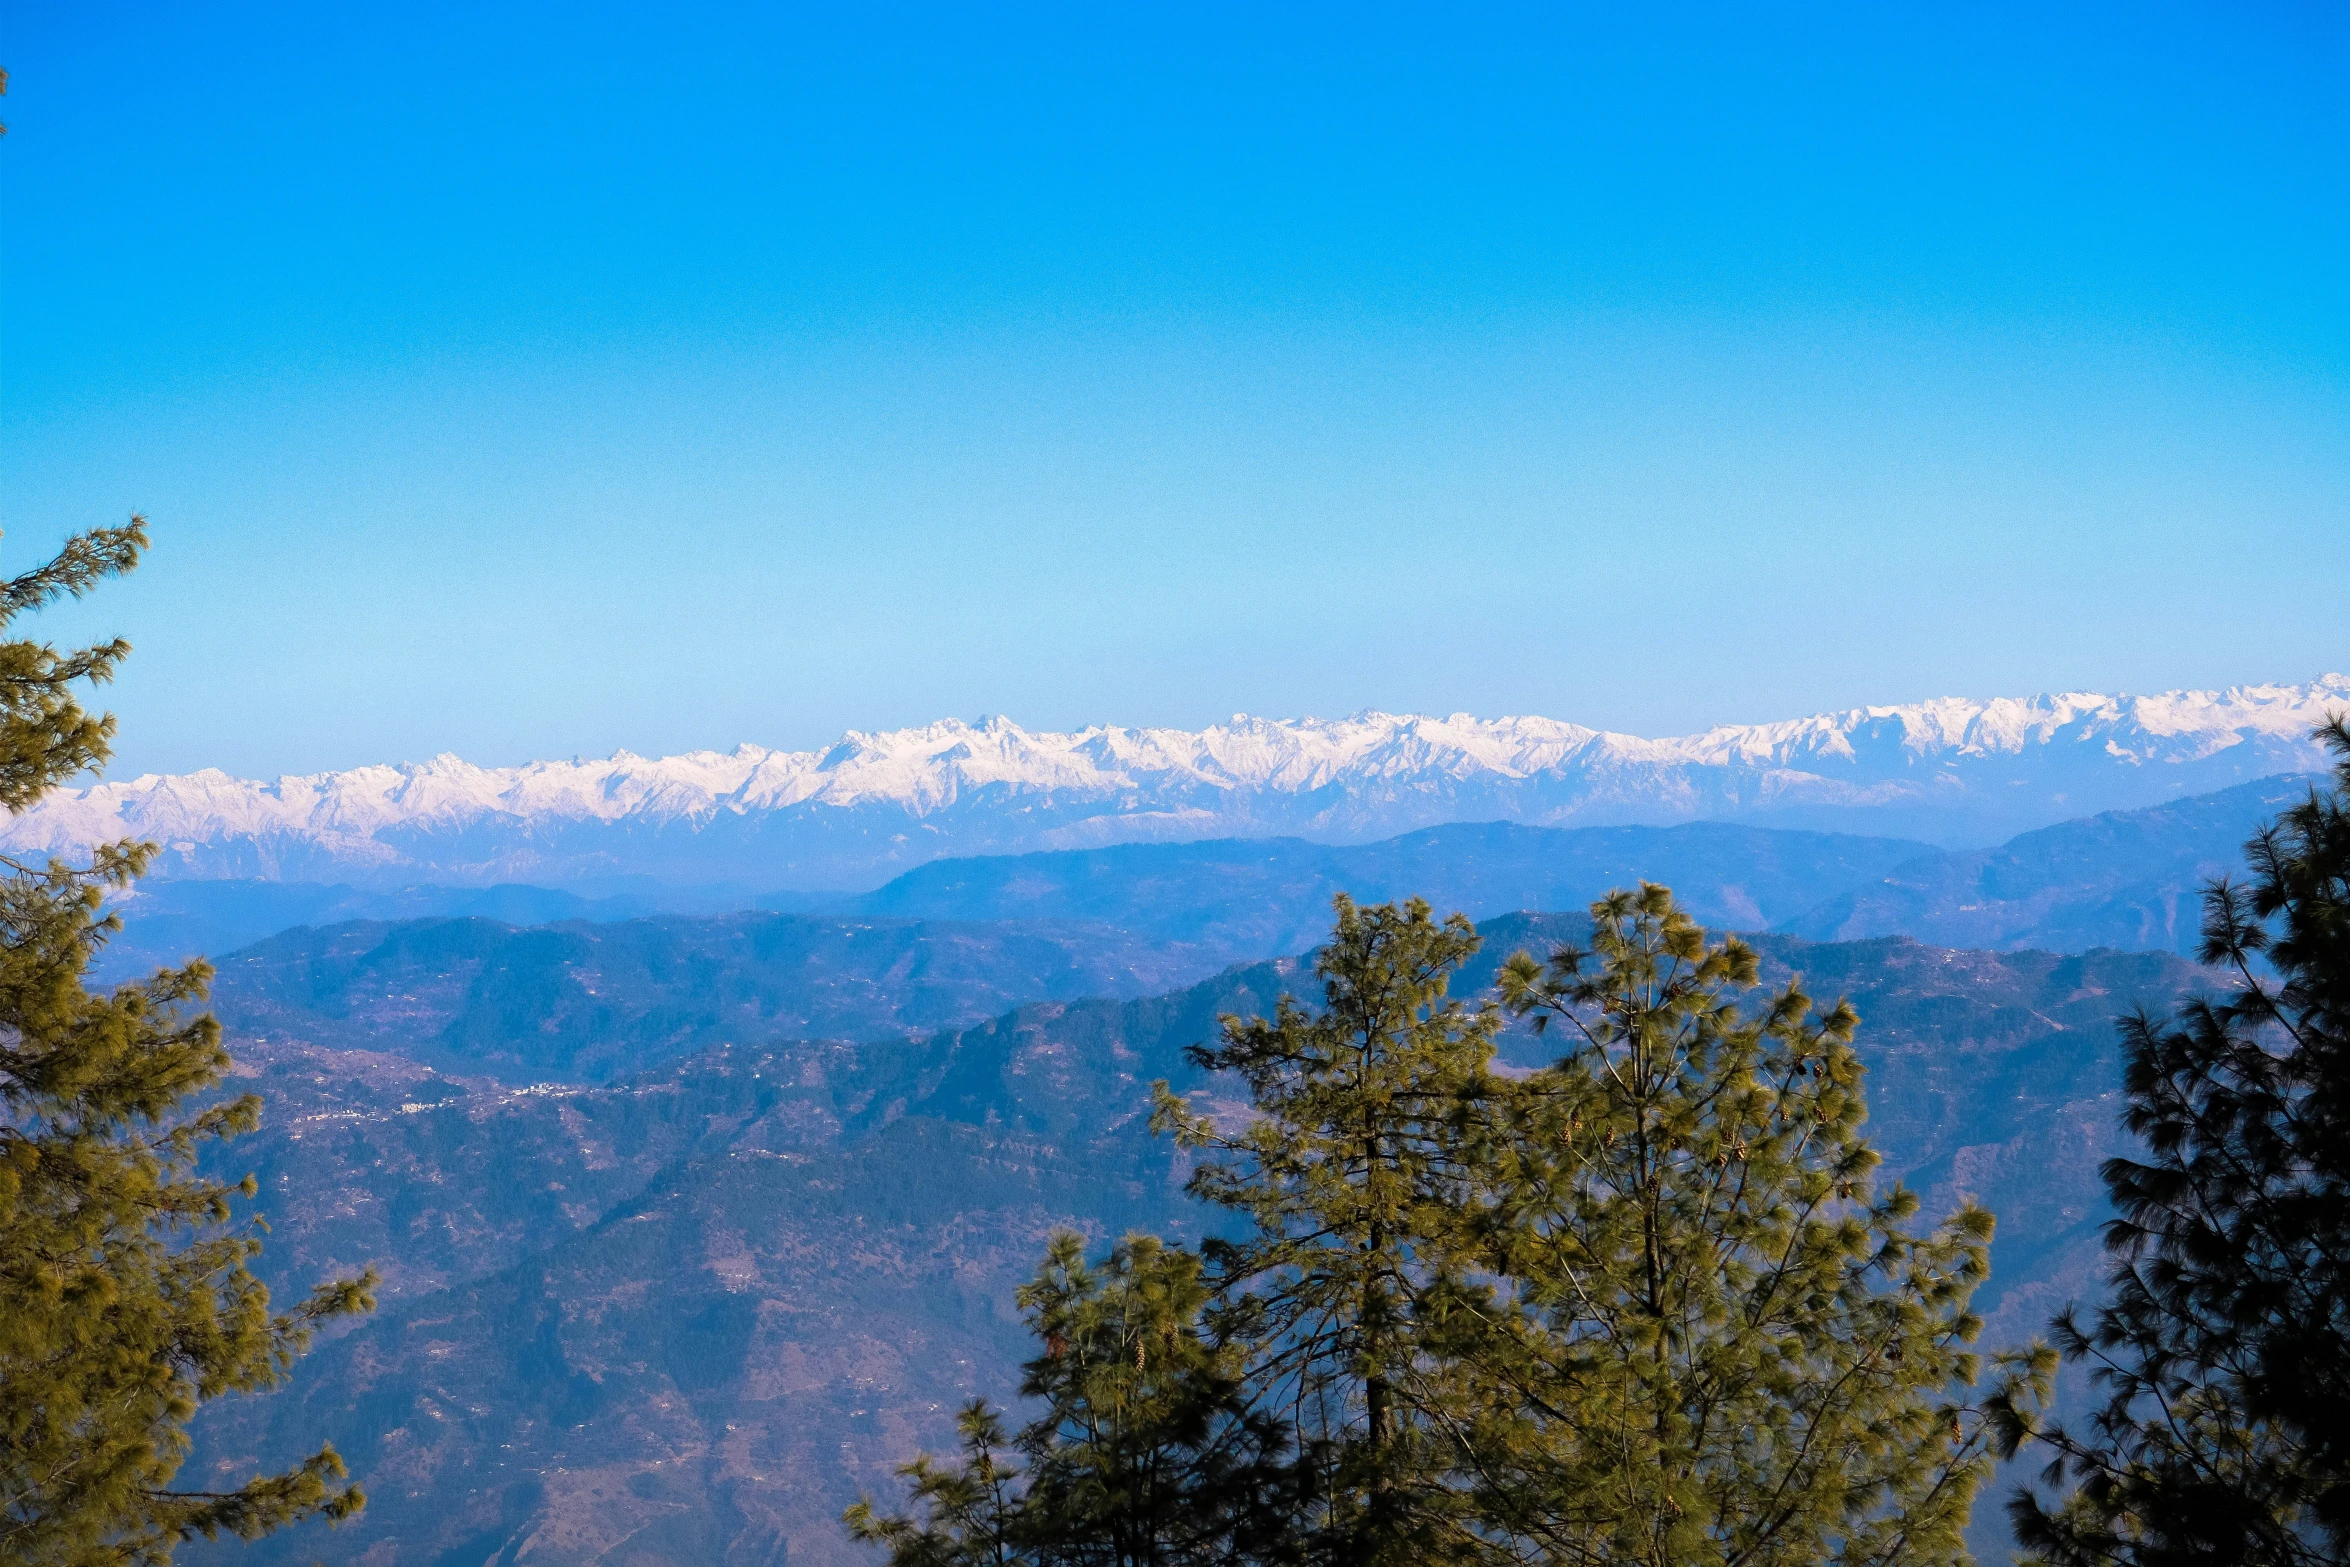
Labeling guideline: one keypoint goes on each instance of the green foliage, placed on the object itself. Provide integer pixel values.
(1145, 1454)
(971, 1509)
(1717, 1343)
(125, 1300)
(2223, 1349)
(1147, 1451)
(1351, 1173)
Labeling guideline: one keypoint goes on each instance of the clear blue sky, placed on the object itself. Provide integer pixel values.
(525, 380)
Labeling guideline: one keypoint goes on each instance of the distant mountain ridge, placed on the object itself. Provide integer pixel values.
(1245, 899)
(2126, 879)
(585, 1002)
(590, 1000)
(2129, 880)
(1952, 771)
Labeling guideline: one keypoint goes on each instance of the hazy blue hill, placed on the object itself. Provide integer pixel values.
(686, 1316)
(586, 1002)
(2127, 879)
(169, 920)
(1238, 898)
(1253, 898)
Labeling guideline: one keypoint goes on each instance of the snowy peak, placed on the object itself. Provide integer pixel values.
(1953, 769)
(2154, 727)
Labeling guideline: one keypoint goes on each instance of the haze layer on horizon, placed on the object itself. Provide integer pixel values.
(528, 381)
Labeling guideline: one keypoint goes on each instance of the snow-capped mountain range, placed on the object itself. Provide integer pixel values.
(1952, 771)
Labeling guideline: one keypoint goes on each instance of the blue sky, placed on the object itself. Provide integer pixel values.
(534, 380)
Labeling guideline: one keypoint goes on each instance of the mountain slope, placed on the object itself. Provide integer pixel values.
(946, 944)
(1254, 898)
(2127, 879)
(168, 921)
(688, 1316)
(1950, 771)
(585, 1003)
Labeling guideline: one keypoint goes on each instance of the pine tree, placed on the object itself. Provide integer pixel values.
(125, 1299)
(970, 1509)
(2223, 1348)
(1350, 1175)
(1144, 1454)
(1147, 1453)
(1716, 1341)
